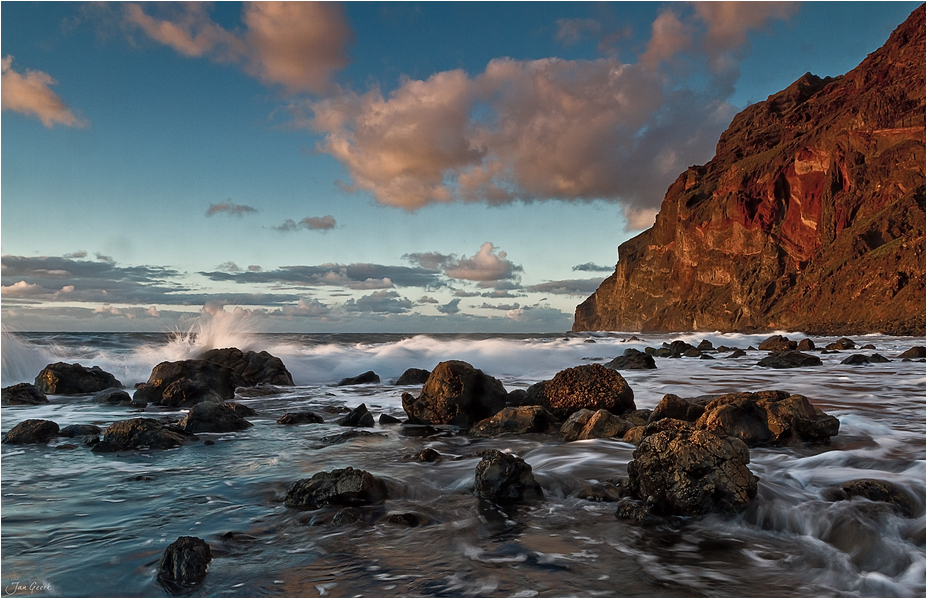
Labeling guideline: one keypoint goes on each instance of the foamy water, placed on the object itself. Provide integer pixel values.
(94, 524)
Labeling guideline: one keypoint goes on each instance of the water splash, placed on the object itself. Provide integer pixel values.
(216, 329)
(21, 361)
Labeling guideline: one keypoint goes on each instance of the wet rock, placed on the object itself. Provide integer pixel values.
(184, 563)
(194, 379)
(777, 343)
(112, 396)
(347, 515)
(638, 417)
(841, 344)
(706, 357)
(80, 430)
(635, 435)
(502, 477)
(348, 436)
(260, 391)
(690, 472)
(737, 353)
(673, 406)
(241, 409)
(359, 416)
(878, 359)
(250, 368)
(455, 393)
(588, 424)
(300, 418)
(634, 509)
(73, 379)
(410, 519)
(209, 417)
(915, 353)
(517, 397)
(387, 419)
(31, 431)
(345, 487)
(137, 433)
(602, 492)
(705, 345)
(868, 346)
(876, 490)
(184, 393)
(514, 421)
(768, 418)
(427, 455)
(678, 348)
(692, 353)
(591, 387)
(23, 394)
(361, 379)
(855, 359)
(789, 359)
(632, 360)
(413, 376)
(663, 352)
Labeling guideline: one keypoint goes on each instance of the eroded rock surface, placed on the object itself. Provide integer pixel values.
(455, 393)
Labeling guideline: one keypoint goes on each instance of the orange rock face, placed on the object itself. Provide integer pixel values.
(809, 217)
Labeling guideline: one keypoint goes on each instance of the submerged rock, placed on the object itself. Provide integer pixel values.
(80, 430)
(185, 562)
(359, 416)
(455, 393)
(31, 431)
(413, 376)
(23, 394)
(591, 387)
(588, 424)
(137, 433)
(789, 359)
(347, 487)
(514, 421)
(300, 418)
(876, 490)
(361, 379)
(209, 417)
(502, 477)
(856, 359)
(73, 379)
(250, 369)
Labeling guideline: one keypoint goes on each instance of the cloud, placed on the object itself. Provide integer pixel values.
(356, 276)
(503, 307)
(382, 302)
(296, 45)
(77, 254)
(567, 287)
(108, 311)
(30, 94)
(452, 307)
(427, 299)
(669, 36)
(312, 223)
(22, 289)
(230, 208)
(485, 265)
(590, 267)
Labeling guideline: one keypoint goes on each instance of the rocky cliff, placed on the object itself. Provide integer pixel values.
(809, 217)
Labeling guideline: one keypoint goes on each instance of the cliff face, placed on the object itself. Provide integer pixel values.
(809, 217)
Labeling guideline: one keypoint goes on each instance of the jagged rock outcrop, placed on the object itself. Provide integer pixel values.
(809, 217)
(250, 368)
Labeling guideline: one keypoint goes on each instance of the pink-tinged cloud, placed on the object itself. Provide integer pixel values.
(318, 223)
(29, 94)
(669, 36)
(729, 22)
(190, 31)
(230, 208)
(485, 265)
(22, 289)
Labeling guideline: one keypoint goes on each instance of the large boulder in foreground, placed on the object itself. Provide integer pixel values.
(139, 433)
(31, 431)
(504, 478)
(590, 387)
(23, 394)
(186, 383)
(455, 393)
(184, 562)
(346, 486)
(73, 379)
(689, 472)
(250, 368)
(514, 421)
(209, 417)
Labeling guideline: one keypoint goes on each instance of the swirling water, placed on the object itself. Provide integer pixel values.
(75, 523)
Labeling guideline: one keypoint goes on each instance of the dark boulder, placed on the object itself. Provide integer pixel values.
(31, 431)
(706, 357)
(241, 409)
(514, 421)
(349, 435)
(868, 346)
(195, 380)
(73, 379)
(915, 353)
(184, 393)
(876, 490)
(632, 360)
(678, 348)
(805, 345)
(841, 344)
(387, 419)
(855, 360)
(359, 416)
(455, 393)
(692, 353)
(789, 359)
(184, 562)
(878, 359)
(138, 433)
(705, 345)
(777, 343)
(673, 406)
(23, 394)
(361, 379)
(250, 368)
(413, 376)
(502, 477)
(691, 472)
(346, 487)
(112, 396)
(427, 455)
(300, 418)
(517, 397)
(591, 387)
(80, 430)
(587, 424)
(209, 417)
(737, 353)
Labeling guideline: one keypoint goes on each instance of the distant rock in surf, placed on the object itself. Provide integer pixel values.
(777, 343)
(186, 383)
(916, 352)
(300, 418)
(789, 359)
(359, 416)
(209, 417)
(138, 433)
(250, 368)
(112, 396)
(80, 430)
(73, 379)
(632, 359)
(455, 393)
(413, 376)
(876, 490)
(346, 487)
(366, 378)
(31, 431)
(22, 394)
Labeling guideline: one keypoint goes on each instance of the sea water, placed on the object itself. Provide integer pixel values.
(77, 523)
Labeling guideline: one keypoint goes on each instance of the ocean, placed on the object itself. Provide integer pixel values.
(77, 523)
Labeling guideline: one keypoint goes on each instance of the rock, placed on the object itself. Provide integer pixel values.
(737, 353)
(841, 344)
(455, 393)
(673, 406)
(663, 352)
(427, 455)
(634, 509)
(409, 519)
(138, 433)
(705, 345)
(592, 386)
(184, 562)
(804, 219)
(916, 352)
(638, 417)
(347, 515)
(692, 353)
(73, 379)
(359, 416)
(250, 369)
(586, 424)
(856, 359)
(209, 417)
(361, 379)
(241, 409)
(877, 490)
(31, 431)
(878, 359)
(706, 357)
(868, 346)
(503, 478)
(514, 421)
(348, 436)
(23, 394)
(345, 487)
(300, 418)
(197, 381)
(768, 418)
(80, 430)
(678, 347)
(413, 376)
(789, 359)
(632, 360)
(635, 435)
(517, 397)
(777, 343)
(691, 472)
(602, 492)
(112, 396)
(387, 419)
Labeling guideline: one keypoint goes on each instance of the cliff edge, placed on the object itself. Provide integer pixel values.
(810, 216)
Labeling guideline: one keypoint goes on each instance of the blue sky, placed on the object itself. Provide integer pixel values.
(395, 167)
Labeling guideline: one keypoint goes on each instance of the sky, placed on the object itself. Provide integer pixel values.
(366, 167)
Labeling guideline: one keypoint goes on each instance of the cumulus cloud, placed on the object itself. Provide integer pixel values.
(384, 302)
(452, 307)
(485, 266)
(29, 93)
(296, 45)
(427, 299)
(231, 208)
(567, 287)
